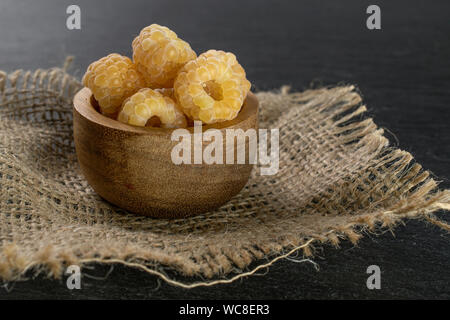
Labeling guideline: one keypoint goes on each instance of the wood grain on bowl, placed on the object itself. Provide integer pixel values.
(132, 167)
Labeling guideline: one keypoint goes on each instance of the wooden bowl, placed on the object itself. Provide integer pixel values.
(132, 167)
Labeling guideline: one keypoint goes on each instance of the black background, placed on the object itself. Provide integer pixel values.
(403, 71)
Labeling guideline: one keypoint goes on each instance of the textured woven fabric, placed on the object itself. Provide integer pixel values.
(338, 178)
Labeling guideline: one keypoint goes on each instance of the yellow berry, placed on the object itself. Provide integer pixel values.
(147, 103)
(112, 79)
(212, 88)
(166, 92)
(159, 54)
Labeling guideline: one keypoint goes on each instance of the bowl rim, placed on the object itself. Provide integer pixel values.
(83, 106)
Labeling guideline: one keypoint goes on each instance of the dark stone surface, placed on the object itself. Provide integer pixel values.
(402, 70)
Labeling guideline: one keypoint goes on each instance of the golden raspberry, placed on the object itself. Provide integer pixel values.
(112, 79)
(212, 88)
(149, 107)
(158, 54)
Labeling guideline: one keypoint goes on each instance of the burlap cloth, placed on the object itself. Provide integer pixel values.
(338, 179)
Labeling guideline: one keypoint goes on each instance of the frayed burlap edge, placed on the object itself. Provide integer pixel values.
(422, 204)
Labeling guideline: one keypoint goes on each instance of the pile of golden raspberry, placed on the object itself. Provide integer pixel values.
(166, 84)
